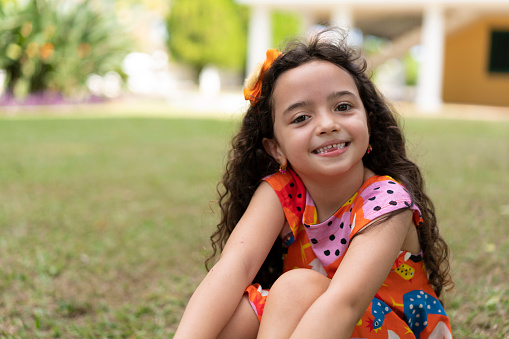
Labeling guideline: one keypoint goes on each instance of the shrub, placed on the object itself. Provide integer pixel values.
(54, 45)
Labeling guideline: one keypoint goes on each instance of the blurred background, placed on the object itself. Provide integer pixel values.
(176, 52)
(115, 121)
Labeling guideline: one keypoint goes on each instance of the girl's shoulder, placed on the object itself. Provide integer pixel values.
(288, 182)
(382, 194)
(292, 195)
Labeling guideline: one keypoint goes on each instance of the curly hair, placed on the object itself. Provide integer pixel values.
(248, 162)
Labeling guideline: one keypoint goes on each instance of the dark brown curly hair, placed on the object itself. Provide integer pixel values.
(248, 162)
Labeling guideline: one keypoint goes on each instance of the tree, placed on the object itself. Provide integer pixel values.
(53, 45)
(203, 32)
(285, 25)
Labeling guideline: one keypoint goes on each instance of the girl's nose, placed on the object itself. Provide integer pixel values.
(327, 123)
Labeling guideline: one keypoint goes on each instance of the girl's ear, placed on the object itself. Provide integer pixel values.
(272, 148)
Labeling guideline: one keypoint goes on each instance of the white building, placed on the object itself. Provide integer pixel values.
(465, 43)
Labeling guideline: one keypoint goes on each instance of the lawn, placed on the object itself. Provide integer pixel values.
(104, 223)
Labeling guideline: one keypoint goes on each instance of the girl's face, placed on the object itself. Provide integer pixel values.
(320, 124)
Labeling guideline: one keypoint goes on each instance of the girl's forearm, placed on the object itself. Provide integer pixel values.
(327, 319)
(213, 303)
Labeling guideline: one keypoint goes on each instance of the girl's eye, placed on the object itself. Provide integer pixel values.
(343, 107)
(300, 118)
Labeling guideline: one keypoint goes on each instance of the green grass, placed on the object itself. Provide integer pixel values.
(104, 223)
(466, 165)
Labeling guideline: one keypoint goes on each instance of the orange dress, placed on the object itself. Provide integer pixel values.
(405, 306)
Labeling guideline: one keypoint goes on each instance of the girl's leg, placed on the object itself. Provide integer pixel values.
(243, 324)
(289, 298)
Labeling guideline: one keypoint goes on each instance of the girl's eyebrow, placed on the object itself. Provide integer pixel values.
(339, 94)
(296, 105)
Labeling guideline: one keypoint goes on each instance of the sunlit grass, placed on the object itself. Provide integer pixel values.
(104, 223)
(466, 164)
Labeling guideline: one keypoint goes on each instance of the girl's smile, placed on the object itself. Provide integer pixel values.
(332, 148)
(320, 123)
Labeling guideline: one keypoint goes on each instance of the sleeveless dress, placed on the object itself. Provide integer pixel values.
(405, 306)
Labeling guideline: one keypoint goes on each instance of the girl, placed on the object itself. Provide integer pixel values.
(347, 212)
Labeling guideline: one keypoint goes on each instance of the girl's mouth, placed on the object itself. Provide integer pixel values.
(330, 148)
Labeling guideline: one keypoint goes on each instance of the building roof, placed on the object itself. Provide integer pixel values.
(377, 3)
(388, 18)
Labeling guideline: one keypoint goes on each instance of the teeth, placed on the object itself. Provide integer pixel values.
(326, 148)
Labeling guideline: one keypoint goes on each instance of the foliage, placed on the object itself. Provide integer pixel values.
(411, 69)
(285, 25)
(203, 32)
(53, 45)
(373, 44)
(104, 223)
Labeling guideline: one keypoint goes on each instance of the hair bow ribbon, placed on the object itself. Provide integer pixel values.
(253, 87)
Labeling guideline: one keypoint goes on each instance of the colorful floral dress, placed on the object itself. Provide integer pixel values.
(405, 306)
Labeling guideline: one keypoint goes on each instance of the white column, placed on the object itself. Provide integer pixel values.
(259, 36)
(342, 17)
(429, 86)
(307, 20)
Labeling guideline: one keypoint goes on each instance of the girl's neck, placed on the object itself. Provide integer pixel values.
(329, 194)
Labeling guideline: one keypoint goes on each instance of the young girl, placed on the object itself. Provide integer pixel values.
(342, 241)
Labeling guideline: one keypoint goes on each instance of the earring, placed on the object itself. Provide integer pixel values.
(369, 149)
(282, 169)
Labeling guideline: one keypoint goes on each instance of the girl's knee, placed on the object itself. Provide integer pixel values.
(300, 281)
(289, 298)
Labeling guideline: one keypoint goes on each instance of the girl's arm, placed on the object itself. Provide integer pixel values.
(365, 267)
(216, 298)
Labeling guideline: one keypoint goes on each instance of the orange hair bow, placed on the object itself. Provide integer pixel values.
(253, 86)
